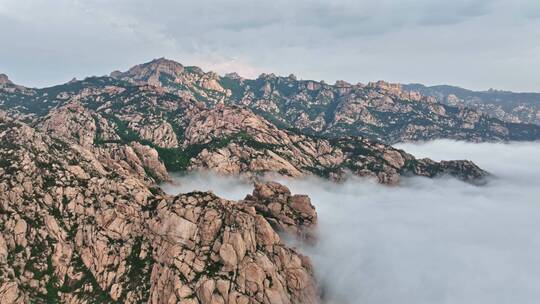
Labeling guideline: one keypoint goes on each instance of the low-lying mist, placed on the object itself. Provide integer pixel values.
(424, 241)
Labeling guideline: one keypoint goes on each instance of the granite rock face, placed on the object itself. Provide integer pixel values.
(4, 80)
(293, 214)
(76, 230)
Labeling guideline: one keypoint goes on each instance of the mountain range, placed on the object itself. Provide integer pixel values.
(83, 218)
(504, 105)
(381, 111)
(191, 120)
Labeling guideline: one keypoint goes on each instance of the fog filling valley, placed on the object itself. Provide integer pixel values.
(424, 241)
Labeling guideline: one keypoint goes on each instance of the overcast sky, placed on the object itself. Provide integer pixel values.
(476, 44)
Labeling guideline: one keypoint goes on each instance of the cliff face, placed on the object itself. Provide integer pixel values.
(76, 230)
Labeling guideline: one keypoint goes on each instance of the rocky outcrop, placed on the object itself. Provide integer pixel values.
(73, 122)
(210, 81)
(76, 230)
(468, 171)
(161, 135)
(293, 214)
(188, 82)
(151, 72)
(4, 80)
(222, 121)
(135, 158)
(7, 86)
(226, 253)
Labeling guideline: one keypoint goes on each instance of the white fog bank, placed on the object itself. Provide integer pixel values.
(425, 241)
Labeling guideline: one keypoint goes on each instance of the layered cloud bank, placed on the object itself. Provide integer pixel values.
(478, 44)
(425, 241)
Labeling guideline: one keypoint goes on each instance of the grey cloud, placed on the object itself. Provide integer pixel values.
(330, 17)
(446, 13)
(477, 44)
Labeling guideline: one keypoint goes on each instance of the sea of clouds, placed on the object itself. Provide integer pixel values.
(424, 241)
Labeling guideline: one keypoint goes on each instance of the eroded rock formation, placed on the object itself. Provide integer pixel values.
(76, 230)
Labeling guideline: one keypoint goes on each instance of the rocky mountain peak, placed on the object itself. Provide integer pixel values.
(151, 72)
(158, 65)
(164, 62)
(233, 75)
(4, 80)
(115, 74)
(267, 76)
(386, 86)
(342, 84)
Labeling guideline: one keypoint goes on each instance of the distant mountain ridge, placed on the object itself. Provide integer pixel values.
(505, 105)
(379, 110)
